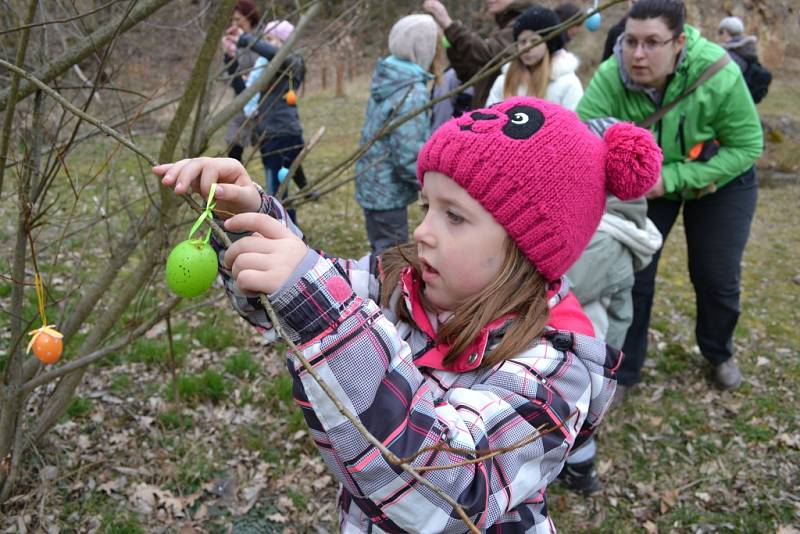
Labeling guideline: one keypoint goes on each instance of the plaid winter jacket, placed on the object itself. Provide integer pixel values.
(390, 375)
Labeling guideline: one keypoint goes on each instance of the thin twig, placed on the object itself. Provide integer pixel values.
(28, 26)
(77, 112)
(172, 364)
(8, 116)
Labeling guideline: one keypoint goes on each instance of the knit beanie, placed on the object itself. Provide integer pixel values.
(282, 29)
(413, 38)
(537, 18)
(541, 173)
(733, 25)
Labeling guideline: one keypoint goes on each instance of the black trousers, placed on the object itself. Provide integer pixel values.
(717, 227)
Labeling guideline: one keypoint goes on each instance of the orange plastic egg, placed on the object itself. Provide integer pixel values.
(291, 97)
(47, 347)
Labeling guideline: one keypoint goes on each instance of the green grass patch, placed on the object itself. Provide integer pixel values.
(298, 499)
(279, 390)
(156, 352)
(174, 420)
(207, 386)
(242, 365)
(121, 524)
(79, 407)
(121, 383)
(215, 336)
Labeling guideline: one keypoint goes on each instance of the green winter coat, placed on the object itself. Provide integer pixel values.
(721, 109)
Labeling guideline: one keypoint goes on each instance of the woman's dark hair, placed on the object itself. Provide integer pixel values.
(672, 11)
(249, 10)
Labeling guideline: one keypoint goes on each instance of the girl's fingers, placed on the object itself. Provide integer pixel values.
(255, 261)
(258, 222)
(209, 175)
(255, 281)
(238, 199)
(248, 245)
(238, 195)
(172, 171)
(188, 175)
(161, 170)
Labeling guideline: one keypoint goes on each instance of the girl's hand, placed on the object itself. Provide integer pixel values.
(236, 192)
(264, 261)
(657, 190)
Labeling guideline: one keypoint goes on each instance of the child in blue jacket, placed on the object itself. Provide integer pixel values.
(386, 181)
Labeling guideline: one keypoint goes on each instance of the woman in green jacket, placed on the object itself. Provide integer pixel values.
(710, 140)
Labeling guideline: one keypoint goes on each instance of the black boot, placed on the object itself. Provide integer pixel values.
(581, 477)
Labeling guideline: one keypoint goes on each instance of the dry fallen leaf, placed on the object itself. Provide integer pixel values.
(668, 500)
(703, 496)
(277, 517)
(650, 527)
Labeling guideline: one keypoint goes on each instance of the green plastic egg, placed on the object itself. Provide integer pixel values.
(191, 268)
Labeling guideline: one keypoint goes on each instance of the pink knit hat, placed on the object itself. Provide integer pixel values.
(542, 173)
(282, 29)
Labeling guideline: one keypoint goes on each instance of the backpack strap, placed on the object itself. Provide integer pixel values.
(708, 73)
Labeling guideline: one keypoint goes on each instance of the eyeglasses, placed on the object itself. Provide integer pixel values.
(629, 44)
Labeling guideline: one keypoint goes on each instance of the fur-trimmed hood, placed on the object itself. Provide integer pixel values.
(563, 63)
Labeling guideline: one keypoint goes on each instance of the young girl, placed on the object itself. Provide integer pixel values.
(546, 70)
(386, 180)
(442, 345)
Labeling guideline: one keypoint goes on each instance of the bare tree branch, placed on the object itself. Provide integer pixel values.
(12, 399)
(92, 42)
(29, 25)
(66, 104)
(8, 116)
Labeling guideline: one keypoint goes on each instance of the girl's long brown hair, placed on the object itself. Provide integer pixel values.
(535, 79)
(518, 289)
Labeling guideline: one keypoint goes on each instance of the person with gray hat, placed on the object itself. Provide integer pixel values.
(742, 49)
(386, 174)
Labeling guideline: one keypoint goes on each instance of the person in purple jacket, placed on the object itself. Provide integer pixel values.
(460, 346)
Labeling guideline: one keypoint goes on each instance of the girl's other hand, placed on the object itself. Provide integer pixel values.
(236, 192)
(264, 261)
(657, 190)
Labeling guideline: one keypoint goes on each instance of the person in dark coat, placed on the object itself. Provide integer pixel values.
(741, 47)
(469, 52)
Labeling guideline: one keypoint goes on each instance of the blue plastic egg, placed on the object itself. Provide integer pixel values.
(282, 173)
(593, 23)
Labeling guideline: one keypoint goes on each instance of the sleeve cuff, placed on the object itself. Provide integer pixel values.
(314, 300)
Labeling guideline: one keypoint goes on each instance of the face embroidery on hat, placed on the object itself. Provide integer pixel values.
(521, 122)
